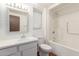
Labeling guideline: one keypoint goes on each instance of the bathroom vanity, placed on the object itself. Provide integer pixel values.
(19, 47)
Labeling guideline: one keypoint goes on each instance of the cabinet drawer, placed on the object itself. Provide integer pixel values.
(8, 51)
(27, 46)
(30, 52)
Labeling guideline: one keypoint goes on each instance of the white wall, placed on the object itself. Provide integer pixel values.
(4, 24)
(42, 22)
(37, 23)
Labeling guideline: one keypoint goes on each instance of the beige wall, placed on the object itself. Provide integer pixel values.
(62, 34)
(70, 38)
(58, 22)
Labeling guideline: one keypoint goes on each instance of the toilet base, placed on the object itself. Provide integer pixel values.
(42, 53)
(44, 49)
(38, 53)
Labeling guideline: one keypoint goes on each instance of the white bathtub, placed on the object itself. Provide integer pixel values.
(63, 50)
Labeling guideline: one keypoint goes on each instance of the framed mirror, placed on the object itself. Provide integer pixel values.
(18, 20)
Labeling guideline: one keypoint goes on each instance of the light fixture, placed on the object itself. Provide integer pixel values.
(18, 5)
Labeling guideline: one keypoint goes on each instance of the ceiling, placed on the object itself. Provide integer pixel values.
(40, 5)
(45, 5)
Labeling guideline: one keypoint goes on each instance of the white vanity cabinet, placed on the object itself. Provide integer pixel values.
(16, 54)
(20, 49)
(8, 51)
(28, 49)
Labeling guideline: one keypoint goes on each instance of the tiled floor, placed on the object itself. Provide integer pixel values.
(50, 54)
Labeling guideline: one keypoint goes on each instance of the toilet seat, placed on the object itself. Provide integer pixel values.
(45, 47)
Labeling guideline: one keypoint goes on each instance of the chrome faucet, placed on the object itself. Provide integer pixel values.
(23, 35)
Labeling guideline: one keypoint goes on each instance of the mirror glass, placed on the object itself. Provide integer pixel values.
(14, 23)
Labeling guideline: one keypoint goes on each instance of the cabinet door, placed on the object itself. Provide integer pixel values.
(30, 52)
(29, 49)
(27, 46)
(8, 51)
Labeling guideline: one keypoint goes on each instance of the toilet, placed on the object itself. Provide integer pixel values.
(43, 48)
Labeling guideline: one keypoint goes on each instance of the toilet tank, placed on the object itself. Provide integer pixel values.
(41, 40)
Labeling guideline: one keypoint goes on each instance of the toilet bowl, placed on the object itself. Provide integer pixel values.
(44, 49)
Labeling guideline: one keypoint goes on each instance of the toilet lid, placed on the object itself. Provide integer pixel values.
(45, 47)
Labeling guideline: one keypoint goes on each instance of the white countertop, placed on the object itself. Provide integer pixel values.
(11, 42)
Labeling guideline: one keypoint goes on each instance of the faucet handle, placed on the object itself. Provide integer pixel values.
(23, 36)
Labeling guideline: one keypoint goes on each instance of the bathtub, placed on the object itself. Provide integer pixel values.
(63, 50)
